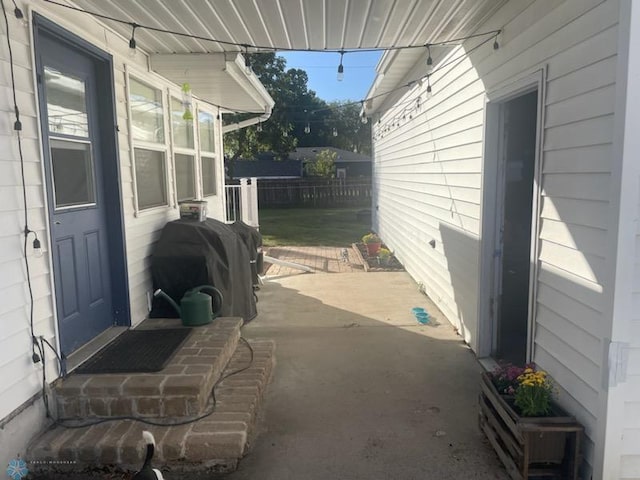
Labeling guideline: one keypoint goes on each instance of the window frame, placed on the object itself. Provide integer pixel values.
(146, 79)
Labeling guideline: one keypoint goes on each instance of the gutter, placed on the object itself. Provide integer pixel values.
(236, 69)
(248, 122)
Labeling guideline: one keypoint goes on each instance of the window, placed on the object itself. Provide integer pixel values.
(207, 140)
(185, 177)
(147, 112)
(184, 152)
(66, 104)
(150, 178)
(208, 169)
(182, 127)
(70, 143)
(207, 153)
(150, 149)
(72, 173)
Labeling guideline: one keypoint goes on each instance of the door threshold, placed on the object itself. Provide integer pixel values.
(89, 349)
(488, 363)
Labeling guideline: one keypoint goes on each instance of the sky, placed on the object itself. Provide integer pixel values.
(322, 69)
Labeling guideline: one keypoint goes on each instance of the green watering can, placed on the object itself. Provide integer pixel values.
(195, 307)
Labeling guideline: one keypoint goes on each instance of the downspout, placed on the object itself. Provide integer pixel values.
(250, 121)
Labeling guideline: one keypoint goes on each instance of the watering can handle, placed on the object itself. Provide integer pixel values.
(216, 294)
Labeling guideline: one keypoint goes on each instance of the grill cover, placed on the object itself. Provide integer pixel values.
(253, 240)
(191, 253)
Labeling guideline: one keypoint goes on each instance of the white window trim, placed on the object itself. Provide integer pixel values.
(145, 78)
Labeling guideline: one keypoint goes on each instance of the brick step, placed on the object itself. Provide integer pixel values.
(182, 389)
(213, 444)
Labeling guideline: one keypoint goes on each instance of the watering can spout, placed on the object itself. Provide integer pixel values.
(160, 293)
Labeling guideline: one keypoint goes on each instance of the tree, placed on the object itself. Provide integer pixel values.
(296, 107)
(324, 165)
(353, 135)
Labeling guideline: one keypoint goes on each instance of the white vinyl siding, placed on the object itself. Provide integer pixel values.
(428, 180)
(21, 379)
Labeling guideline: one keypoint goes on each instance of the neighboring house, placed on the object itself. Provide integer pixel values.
(265, 166)
(520, 167)
(107, 155)
(348, 164)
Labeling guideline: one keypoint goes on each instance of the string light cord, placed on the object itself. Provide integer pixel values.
(243, 47)
(409, 84)
(63, 423)
(60, 359)
(428, 76)
(17, 126)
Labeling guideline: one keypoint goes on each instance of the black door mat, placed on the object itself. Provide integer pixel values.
(137, 351)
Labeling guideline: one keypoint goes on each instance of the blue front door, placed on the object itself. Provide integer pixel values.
(75, 190)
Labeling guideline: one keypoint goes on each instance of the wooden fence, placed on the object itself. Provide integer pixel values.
(321, 193)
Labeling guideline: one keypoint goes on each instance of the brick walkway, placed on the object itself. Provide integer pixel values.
(320, 259)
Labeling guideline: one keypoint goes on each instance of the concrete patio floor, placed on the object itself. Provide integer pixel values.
(360, 389)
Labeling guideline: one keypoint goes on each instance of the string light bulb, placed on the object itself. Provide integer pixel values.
(307, 128)
(341, 67)
(428, 84)
(259, 127)
(285, 134)
(364, 119)
(496, 45)
(334, 132)
(132, 41)
(20, 16)
(429, 59)
(37, 248)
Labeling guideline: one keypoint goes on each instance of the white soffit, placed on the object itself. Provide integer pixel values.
(219, 78)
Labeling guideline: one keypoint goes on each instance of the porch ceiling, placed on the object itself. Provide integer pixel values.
(300, 25)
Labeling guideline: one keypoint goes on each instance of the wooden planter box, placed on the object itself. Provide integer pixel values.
(529, 446)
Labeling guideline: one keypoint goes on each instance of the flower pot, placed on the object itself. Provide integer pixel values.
(373, 248)
(529, 445)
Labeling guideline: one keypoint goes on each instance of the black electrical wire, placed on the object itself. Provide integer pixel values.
(244, 47)
(427, 76)
(45, 397)
(17, 126)
(263, 48)
(212, 408)
(61, 366)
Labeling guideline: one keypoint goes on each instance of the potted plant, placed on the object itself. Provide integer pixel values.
(529, 431)
(384, 256)
(373, 243)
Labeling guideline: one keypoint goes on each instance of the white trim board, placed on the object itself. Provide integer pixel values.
(534, 81)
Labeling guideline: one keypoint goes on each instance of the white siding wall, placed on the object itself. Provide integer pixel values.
(428, 179)
(20, 379)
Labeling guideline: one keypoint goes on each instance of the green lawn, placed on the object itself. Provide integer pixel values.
(333, 227)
